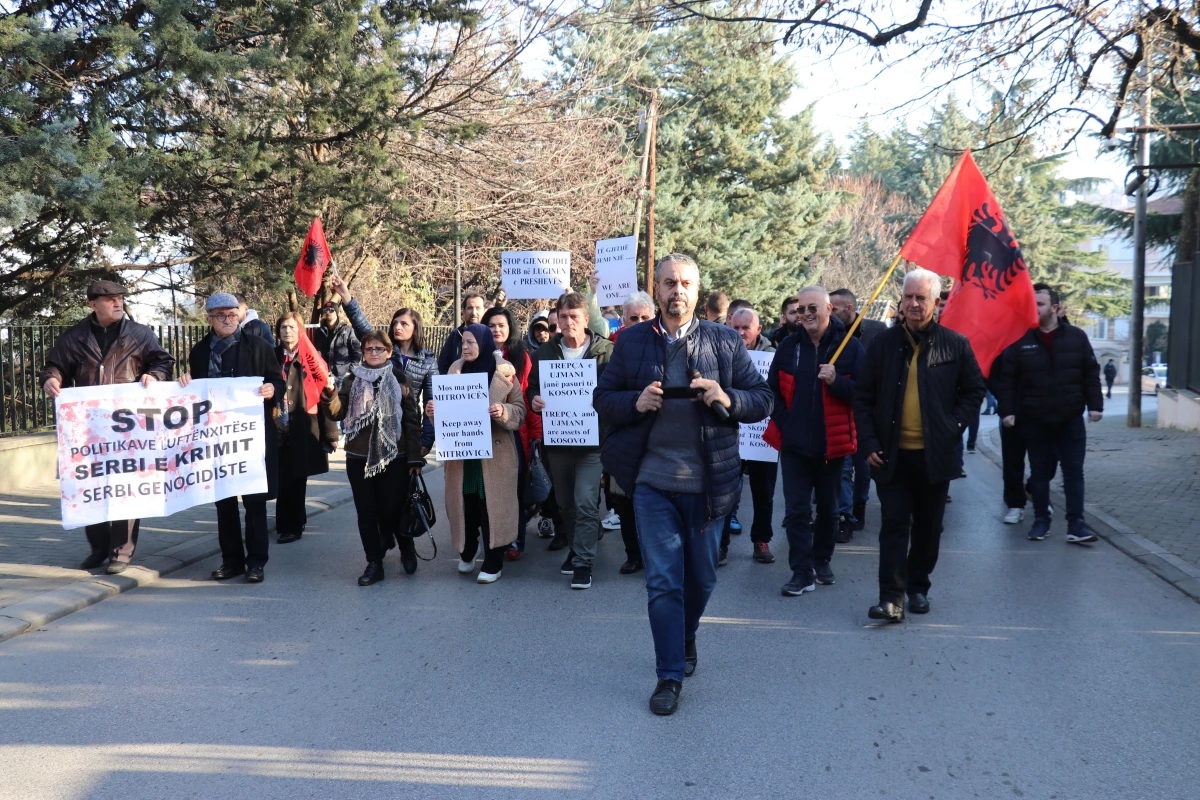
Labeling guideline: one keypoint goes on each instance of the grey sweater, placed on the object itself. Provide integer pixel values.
(674, 459)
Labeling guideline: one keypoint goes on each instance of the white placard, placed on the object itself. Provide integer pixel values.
(460, 416)
(535, 274)
(127, 452)
(616, 267)
(751, 446)
(566, 389)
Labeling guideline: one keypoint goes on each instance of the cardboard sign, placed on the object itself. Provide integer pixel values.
(460, 416)
(127, 452)
(616, 267)
(751, 446)
(566, 388)
(535, 274)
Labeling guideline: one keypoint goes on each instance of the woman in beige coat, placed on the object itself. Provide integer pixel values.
(482, 494)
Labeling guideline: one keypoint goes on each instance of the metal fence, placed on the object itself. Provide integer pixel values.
(25, 408)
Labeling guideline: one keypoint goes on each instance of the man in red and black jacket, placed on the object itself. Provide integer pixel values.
(812, 425)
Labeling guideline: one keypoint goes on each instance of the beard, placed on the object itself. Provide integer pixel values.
(676, 306)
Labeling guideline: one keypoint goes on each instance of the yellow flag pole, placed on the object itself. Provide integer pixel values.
(858, 320)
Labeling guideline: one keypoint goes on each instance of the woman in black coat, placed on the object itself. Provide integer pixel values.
(306, 440)
(378, 408)
(240, 356)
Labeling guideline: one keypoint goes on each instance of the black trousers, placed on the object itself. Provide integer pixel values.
(476, 520)
(911, 531)
(762, 475)
(290, 514)
(381, 502)
(1012, 456)
(229, 532)
(624, 508)
(116, 540)
(809, 542)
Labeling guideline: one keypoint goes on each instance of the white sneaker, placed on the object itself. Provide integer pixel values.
(612, 522)
(466, 567)
(488, 577)
(1014, 516)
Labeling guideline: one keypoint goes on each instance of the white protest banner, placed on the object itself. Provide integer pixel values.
(616, 267)
(460, 416)
(751, 446)
(535, 274)
(125, 452)
(566, 388)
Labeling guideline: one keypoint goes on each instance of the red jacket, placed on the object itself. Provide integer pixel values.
(841, 439)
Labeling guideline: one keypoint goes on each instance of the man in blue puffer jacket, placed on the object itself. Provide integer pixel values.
(678, 455)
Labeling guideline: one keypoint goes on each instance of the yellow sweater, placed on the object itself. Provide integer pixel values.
(912, 436)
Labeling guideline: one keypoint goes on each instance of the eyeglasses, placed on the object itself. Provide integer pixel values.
(552, 328)
(375, 349)
(230, 317)
(811, 309)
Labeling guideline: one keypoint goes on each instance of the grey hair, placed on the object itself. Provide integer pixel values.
(638, 299)
(747, 310)
(676, 258)
(931, 279)
(820, 289)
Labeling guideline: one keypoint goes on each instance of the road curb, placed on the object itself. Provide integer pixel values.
(1172, 569)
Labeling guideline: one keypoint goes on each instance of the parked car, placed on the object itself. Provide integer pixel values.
(1153, 377)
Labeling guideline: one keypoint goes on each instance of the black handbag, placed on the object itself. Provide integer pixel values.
(537, 479)
(421, 515)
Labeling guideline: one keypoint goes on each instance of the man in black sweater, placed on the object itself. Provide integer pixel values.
(1056, 375)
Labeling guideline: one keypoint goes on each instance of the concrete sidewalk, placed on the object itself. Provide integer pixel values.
(39, 576)
(1144, 483)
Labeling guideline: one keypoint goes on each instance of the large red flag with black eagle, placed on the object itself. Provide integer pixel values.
(314, 258)
(963, 234)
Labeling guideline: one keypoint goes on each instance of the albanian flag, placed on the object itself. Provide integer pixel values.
(314, 258)
(316, 373)
(963, 235)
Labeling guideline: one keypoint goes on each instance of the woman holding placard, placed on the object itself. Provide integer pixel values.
(378, 409)
(481, 494)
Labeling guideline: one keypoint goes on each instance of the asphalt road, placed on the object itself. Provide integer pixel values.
(1045, 671)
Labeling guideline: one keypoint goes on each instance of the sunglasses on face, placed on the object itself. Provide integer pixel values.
(552, 328)
(809, 309)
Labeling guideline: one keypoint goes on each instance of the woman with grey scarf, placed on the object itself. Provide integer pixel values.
(378, 409)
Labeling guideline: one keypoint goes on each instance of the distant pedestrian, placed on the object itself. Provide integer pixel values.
(716, 307)
(1110, 377)
(473, 307)
(106, 347)
(814, 415)
(917, 391)
(336, 342)
(1054, 371)
(789, 320)
(1012, 451)
(482, 494)
(228, 352)
(679, 455)
(378, 406)
(251, 323)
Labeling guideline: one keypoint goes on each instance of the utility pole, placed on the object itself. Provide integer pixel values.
(1137, 317)
(644, 168)
(652, 144)
(457, 257)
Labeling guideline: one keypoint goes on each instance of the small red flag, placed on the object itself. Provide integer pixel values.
(316, 374)
(314, 258)
(963, 235)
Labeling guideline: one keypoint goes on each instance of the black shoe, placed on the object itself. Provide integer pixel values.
(94, 560)
(581, 578)
(409, 562)
(117, 567)
(254, 575)
(845, 530)
(288, 538)
(860, 516)
(887, 612)
(689, 658)
(665, 699)
(631, 566)
(558, 542)
(568, 566)
(545, 528)
(798, 586)
(824, 573)
(224, 573)
(918, 603)
(762, 553)
(723, 557)
(372, 574)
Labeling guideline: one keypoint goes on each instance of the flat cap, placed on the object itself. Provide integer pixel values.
(105, 289)
(221, 300)
(330, 306)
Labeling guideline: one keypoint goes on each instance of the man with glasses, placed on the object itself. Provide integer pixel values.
(228, 352)
(815, 422)
(107, 347)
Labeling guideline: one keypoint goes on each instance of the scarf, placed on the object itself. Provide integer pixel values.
(486, 362)
(375, 404)
(217, 349)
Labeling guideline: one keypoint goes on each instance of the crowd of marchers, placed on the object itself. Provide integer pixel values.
(849, 399)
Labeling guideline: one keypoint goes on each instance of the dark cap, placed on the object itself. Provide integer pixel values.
(105, 289)
(540, 322)
(329, 306)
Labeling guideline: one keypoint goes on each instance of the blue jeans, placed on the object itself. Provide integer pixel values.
(680, 554)
(856, 485)
(809, 543)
